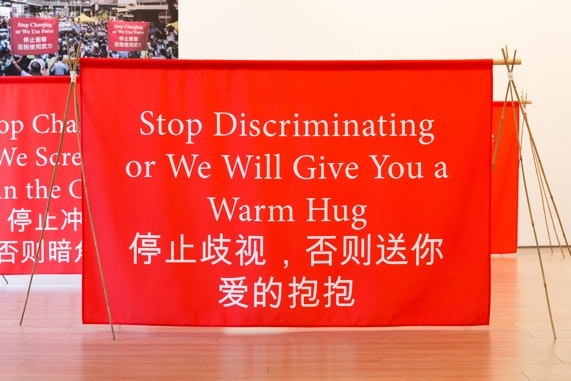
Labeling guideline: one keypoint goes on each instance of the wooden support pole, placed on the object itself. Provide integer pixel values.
(504, 61)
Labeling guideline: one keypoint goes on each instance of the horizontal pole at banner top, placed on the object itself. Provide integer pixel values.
(501, 61)
(526, 102)
(496, 61)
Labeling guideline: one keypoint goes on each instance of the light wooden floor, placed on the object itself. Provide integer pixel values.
(518, 345)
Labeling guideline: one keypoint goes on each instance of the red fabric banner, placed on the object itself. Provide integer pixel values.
(505, 176)
(34, 35)
(32, 114)
(288, 193)
(127, 35)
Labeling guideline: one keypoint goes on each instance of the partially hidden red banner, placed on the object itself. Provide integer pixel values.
(231, 193)
(127, 35)
(505, 176)
(34, 35)
(32, 117)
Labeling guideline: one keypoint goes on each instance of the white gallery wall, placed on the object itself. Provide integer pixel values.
(540, 32)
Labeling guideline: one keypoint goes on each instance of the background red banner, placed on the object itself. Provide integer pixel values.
(288, 193)
(32, 116)
(505, 176)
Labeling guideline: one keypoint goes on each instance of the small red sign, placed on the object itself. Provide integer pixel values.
(127, 36)
(34, 35)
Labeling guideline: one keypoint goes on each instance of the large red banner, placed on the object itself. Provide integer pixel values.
(32, 118)
(505, 176)
(287, 193)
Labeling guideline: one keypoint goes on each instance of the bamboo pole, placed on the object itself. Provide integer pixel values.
(72, 96)
(513, 89)
(507, 61)
(539, 162)
(90, 215)
(48, 203)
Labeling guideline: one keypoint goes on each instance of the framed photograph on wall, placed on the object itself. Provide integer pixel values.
(98, 29)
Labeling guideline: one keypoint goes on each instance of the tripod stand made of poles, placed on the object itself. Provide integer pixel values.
(71, 98)
(550, 211)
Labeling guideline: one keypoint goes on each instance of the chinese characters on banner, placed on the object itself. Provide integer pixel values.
(127, 35)
(34, 35)
(31, 121)
(236, 193)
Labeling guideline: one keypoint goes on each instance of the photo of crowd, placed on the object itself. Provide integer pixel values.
(86, 36)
